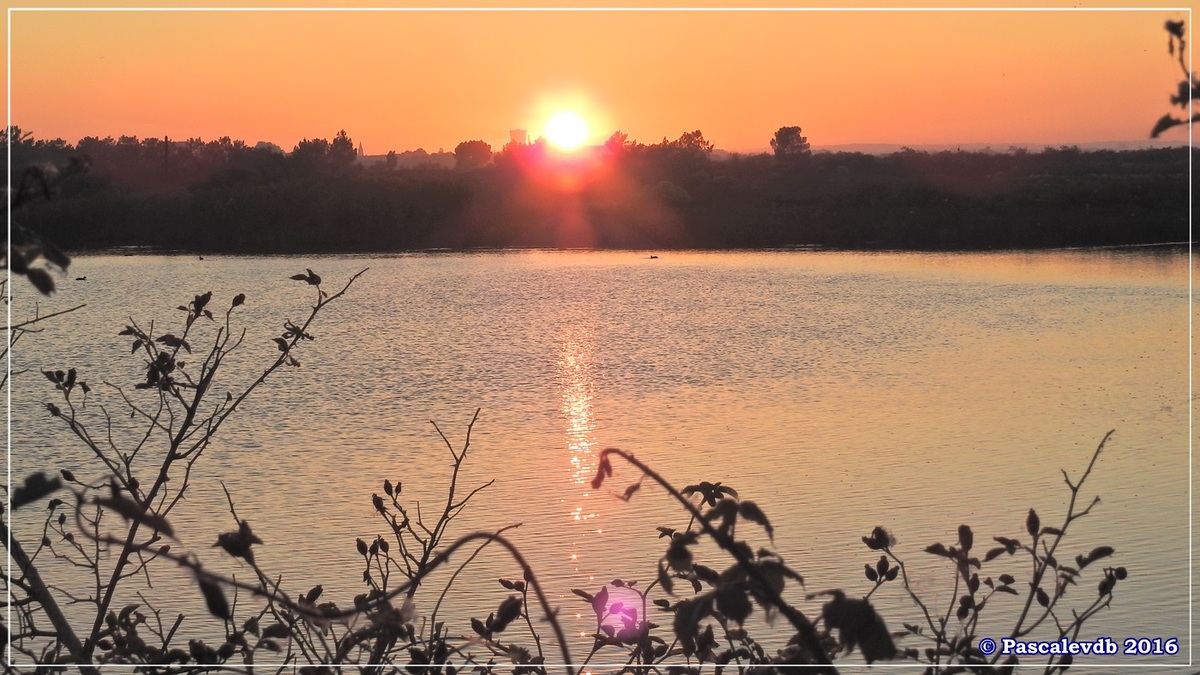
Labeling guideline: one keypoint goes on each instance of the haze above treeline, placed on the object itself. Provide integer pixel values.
(325, 196)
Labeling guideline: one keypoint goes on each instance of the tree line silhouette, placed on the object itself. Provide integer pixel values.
(228, 196)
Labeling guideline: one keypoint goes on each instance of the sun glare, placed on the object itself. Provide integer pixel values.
(566, 130)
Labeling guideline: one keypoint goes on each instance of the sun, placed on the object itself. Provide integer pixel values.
(566, 130)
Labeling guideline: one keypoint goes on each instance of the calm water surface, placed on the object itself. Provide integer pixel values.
(839, 390)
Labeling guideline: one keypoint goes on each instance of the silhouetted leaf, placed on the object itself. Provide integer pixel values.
(583, 594)
(1099, 552)
(678, 555)
(214, 597)
(1006, 578)
(686, 625)
(276, 630)
(507, 612)
(1042, 598)
(994, 553)
(872, 575)
(1009, 544)
(938, 549)
(174, 342)
(706, 574)
(36, 486)
(664, 580)
(733, 603)
(131, 511)
(600, 602)
(125, 613)
(55, 255)
(41, 280)
(751, 512)
(238, 544)
(858, 624)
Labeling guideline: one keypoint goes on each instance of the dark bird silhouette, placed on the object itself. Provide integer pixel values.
(80, 278)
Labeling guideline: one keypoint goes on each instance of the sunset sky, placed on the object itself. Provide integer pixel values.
(401, 80)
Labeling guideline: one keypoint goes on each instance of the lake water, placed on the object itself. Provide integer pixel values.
(840, 391)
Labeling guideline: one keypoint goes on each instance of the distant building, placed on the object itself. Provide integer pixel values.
(518, 136)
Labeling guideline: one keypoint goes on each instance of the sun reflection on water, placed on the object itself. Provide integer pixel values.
(576, 377)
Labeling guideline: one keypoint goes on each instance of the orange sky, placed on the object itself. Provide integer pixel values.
(400, 80)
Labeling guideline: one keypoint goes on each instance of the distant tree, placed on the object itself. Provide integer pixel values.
(472, 154)
(1188, 90)
(513, 154)
(341, 150)
(617, 143)
(390, 161)
(692, 142)
(789, 144)
(311, 153)
(27, 151)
